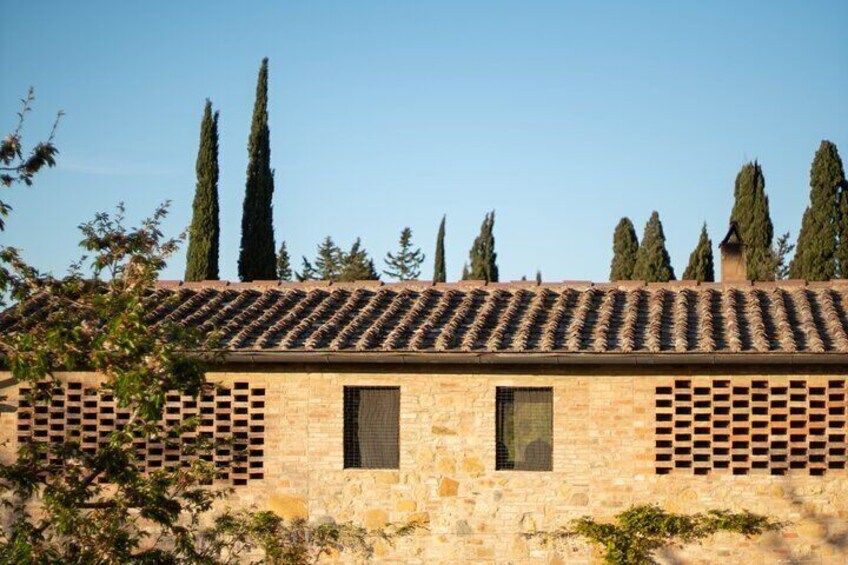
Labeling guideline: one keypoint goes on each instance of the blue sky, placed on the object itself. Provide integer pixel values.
(562, 116)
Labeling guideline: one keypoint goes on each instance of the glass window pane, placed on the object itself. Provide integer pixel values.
(372, 427)
(524, 429)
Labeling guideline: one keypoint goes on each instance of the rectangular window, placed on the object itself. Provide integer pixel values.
(524, 429)
(371, 427)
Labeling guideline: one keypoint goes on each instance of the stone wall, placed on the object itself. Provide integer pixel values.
(603, 461)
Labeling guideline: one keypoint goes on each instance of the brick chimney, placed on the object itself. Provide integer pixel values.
(734, 264)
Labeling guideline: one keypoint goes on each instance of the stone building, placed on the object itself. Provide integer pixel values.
(489, 410)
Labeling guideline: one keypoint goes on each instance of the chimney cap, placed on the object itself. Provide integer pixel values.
(733, 236)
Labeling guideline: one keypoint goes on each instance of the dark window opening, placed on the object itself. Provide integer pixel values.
(371, 427)
(524, 429)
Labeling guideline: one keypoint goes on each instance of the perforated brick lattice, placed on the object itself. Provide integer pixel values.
(231, 419)
(751, 426)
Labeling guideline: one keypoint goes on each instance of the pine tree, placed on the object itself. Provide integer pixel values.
(257, 256)
(466, 274)
(482, 257)
(205, 231)
(357, 266)
(439, 271)
(284, 272)
(751, 213)
(406, 265)
(782, 249)
(330, 260)
(307, 271)
(818, 246)
(625, 246)
(701, 267)
(652, 261)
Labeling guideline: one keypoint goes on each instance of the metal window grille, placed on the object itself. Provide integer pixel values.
(371, 427)
(524, 429)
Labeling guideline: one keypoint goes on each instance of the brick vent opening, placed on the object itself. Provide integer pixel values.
(750, 426)
(235, 416)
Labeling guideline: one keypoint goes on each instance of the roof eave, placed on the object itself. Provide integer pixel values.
(517, 358)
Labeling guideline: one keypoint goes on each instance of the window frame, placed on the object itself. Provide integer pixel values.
(505, 397)
(351, 444)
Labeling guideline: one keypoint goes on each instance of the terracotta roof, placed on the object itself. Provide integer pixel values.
(568, 318)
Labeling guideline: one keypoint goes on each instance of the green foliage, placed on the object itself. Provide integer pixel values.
(406, 264)
(296, 542)
(625, 246)
(284, 271)
(782, 249)
(842, 232)
(816, 253)
(538, 277)
(638, 532)
(482, 258)
(652, 261)
(333, 264)
(701, 267)
(205, 231)
(16, 168)
(751, 213)
(100, 322)
(439, 271)
(257, 257)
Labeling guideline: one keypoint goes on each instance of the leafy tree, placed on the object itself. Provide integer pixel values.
(205, 231)
(638, 532)
(625, 246)
(101, 324)
(816, 252)
(652, 261)
(439, 271)
(15, 167)
(701, 267)
(284, 271)
(482, 257)
(406, 264)
(751, 213)
(257, 257)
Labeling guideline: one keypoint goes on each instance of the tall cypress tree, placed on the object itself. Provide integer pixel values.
(439, 271)
(842, 232)
(701, 266)
(816, 253)
(205, 231)
(482, 257)
(751, 214)
(652, 261)
(625, 246)
(257, 254)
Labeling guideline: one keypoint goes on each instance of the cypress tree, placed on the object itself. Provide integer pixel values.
(652, 261)
(625, 246)
(538, 277)
(284, 272)
(406, 264)
(842, 232)
(701, 266)
(466, 274)
(816, 253)
(439, 271)
(257, 255)
(482, 257)
(751, 213)
(205, 231)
